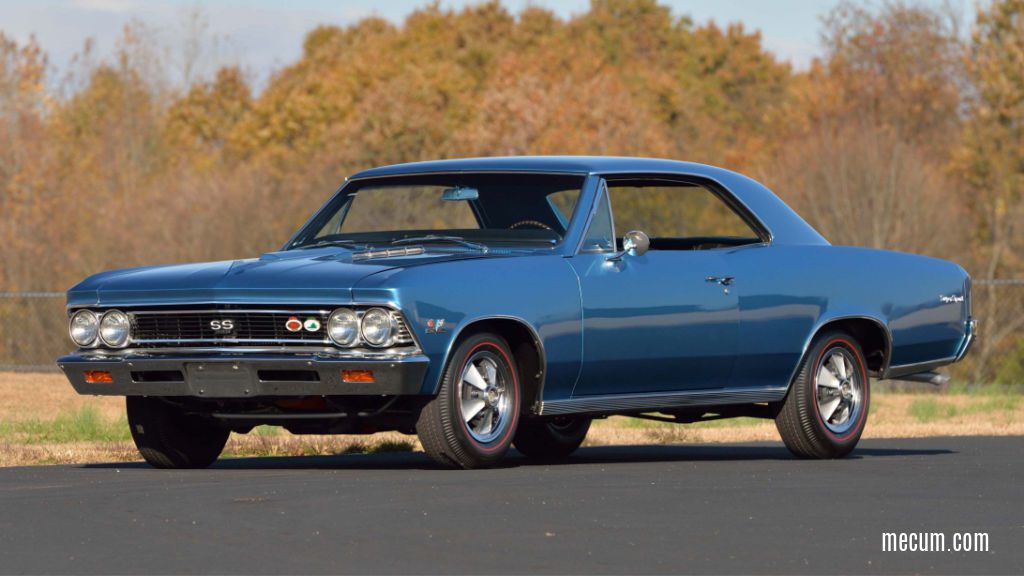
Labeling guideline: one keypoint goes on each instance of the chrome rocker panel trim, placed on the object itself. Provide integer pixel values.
(660, 401)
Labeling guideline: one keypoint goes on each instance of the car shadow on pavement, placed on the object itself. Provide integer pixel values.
(584, 456)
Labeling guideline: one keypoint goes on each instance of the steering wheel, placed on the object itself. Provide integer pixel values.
(532, 224)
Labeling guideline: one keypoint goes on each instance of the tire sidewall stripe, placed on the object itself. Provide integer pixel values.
(814, 390)
(500, 442)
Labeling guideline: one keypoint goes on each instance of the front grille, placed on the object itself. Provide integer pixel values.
(250, 327)
(266, 327)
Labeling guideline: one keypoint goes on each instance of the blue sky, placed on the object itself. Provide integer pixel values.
(264, 34)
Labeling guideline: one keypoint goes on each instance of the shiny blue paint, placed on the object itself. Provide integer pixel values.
(653, 323)
(647, 323)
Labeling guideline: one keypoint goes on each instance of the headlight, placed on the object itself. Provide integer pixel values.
(378, 326)
(343, 327)
(114, 328)
(83, 327)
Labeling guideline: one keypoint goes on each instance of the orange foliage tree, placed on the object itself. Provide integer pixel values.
(896, 137)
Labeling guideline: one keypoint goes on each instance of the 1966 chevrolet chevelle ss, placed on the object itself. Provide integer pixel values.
(497, 302)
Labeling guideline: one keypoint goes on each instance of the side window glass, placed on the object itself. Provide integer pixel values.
(678, 215)
(601, 234)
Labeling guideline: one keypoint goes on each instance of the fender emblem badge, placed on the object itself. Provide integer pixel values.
(951, 299)
(436, 326)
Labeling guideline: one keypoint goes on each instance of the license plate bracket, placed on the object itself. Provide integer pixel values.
(220, 379)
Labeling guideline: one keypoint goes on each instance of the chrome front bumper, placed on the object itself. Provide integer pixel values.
(242, 375)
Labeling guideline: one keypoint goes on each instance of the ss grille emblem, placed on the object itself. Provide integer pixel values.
(222, 326)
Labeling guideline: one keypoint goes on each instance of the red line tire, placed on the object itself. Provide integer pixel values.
(826, 408)
(453, 427)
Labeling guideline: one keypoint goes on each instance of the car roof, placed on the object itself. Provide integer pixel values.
(560, 164)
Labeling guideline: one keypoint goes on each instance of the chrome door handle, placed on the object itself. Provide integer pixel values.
(723, 280)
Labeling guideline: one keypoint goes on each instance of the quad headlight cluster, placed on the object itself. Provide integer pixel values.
(369, 327)
(111, 329)
(376, 327)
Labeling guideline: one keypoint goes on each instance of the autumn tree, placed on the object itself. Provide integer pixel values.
(992, 161)
(867, 136)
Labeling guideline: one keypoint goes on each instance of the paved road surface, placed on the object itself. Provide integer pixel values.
(662, 509)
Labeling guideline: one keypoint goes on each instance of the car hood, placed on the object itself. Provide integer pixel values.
(299, 276)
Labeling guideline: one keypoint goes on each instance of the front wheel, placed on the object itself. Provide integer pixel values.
(824, 413)
(471, 422)
(169, 438)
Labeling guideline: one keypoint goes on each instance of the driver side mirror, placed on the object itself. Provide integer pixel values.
(634, 243)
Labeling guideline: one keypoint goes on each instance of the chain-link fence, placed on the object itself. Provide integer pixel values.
(33, 325)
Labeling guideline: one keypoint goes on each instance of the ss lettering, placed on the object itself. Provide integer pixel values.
(222, 325)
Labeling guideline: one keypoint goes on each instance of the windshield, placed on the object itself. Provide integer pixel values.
(458, 210)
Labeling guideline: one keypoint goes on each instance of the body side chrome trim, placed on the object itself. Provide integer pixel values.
(660, 400)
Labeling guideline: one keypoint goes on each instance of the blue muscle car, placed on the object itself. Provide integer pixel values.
(492, 302)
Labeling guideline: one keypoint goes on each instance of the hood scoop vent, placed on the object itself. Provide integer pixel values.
(388, 253)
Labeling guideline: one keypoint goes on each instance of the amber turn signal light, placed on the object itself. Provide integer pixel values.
(364, 376)
(98, 377)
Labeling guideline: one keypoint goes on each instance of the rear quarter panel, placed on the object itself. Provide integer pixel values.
(788, 293)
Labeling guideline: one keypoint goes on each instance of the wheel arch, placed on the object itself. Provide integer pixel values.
(871, 334)
(527, 350)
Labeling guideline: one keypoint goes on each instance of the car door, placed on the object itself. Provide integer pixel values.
(663, 321)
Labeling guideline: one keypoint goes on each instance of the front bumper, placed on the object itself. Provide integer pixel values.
(242, 375)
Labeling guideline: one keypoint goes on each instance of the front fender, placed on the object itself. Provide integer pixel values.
(540, 291)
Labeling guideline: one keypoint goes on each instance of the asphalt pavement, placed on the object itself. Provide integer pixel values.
(730, 508)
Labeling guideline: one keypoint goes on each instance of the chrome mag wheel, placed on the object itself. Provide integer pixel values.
(484, 399)
(839, 391)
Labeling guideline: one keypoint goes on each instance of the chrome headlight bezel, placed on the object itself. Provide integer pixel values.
(388, 321)
(344, 318)
(115, 320)
(93, 324)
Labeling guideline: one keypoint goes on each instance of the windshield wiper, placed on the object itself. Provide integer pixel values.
(438, 238)
(336, 242)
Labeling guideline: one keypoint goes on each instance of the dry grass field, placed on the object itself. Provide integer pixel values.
(42, 421)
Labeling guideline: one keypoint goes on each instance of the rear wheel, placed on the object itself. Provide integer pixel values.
(471, 422)
(553, 438)
(168, 438)
(824, 414)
